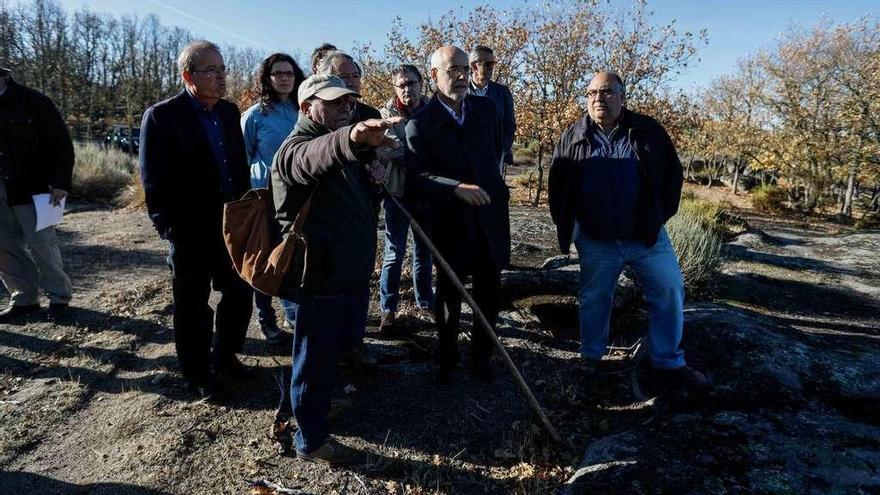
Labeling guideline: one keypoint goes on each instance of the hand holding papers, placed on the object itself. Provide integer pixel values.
(47, 213)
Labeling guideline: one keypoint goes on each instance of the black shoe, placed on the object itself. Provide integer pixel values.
(443, 374)
(233, 370)
(57, 310)
(273, 334)
(682, 378)
(482, 371)
(15, 312)
(587, 367)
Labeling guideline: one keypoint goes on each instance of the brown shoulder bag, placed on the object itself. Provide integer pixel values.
(250, 240)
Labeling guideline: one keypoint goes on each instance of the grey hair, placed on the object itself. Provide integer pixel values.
(325, 66)
(186, 61)
(479, 50)
(403, 70)
(620, 86)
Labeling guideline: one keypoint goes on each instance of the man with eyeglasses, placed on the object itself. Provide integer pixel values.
(614, 181)
(406, 102)
(342, 65)
(193, 160)
(454, 146)
(36, 157)
(482, 62)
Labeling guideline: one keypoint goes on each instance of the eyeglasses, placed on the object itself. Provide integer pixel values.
(457, 71)
(216, 71)
(282, 74)
(593, 93)
(406, 84)
(485, 63)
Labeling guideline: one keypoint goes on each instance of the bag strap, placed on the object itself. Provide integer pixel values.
(303, 213)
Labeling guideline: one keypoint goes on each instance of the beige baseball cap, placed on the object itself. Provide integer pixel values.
(325, 87)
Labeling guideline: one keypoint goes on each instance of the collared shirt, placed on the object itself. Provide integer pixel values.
(263, 135)
(610, 187)
(476, 90)
(458, 119)
(213, 126)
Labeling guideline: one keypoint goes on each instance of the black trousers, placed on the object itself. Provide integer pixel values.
(447, 306)
(196, 267)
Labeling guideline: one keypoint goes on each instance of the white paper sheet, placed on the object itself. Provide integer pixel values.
(47, 214)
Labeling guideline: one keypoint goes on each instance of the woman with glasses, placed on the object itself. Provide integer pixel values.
(265, 125)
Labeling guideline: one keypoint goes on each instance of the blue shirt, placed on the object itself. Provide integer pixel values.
(610, 187)
(263, 135)
(213, 126)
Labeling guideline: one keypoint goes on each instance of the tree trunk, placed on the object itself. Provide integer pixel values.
(735, 177)
(848, 196)
(540, 186)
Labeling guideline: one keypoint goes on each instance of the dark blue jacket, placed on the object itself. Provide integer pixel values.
(658, 167)
(442, 155)
(179, 170)
(500, 95)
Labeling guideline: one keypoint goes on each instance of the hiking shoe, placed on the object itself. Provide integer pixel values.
(443, 374)
(683, 377)
(334, 454)
(386, 326)
(360, 356)
(57, 310)
(14, 312)
(273, 334)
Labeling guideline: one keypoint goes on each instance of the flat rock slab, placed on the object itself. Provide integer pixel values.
(787, 414)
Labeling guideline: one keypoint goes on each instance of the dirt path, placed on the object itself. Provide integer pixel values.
(95, 405)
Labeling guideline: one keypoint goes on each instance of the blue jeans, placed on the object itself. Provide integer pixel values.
(265, 311)
(396, 232)
(657, 269)
(327, 327)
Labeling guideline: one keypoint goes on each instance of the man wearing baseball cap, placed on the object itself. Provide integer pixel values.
(325, 162)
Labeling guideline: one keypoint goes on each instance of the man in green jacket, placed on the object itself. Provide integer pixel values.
(326, 161)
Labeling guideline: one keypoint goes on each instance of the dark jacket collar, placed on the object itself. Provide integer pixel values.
(629, 120)
(442, 117)
(308, 127)
(11, 88)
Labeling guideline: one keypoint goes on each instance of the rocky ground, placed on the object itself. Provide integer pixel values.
(790, 336)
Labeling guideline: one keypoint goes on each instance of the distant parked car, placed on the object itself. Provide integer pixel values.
(119, 138)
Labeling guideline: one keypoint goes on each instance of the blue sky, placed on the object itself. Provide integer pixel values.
(736, 28)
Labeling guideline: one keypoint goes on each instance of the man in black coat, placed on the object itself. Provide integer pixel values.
(482, 60)
(36, 157)
(192, 161)
(454, 145)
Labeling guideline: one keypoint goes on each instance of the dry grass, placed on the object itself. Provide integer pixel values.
(696, 232)
(100, 174)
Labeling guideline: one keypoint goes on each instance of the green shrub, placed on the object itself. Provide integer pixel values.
(100, 174)
(769, 198)
(696, 233)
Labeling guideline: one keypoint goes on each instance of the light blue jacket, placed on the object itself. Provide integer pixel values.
(263, 135)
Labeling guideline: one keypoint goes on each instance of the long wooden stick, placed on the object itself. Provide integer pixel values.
(523, 386)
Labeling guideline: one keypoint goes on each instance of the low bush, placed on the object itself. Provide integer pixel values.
(697, 235)
(769, 198)
(100, 174)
